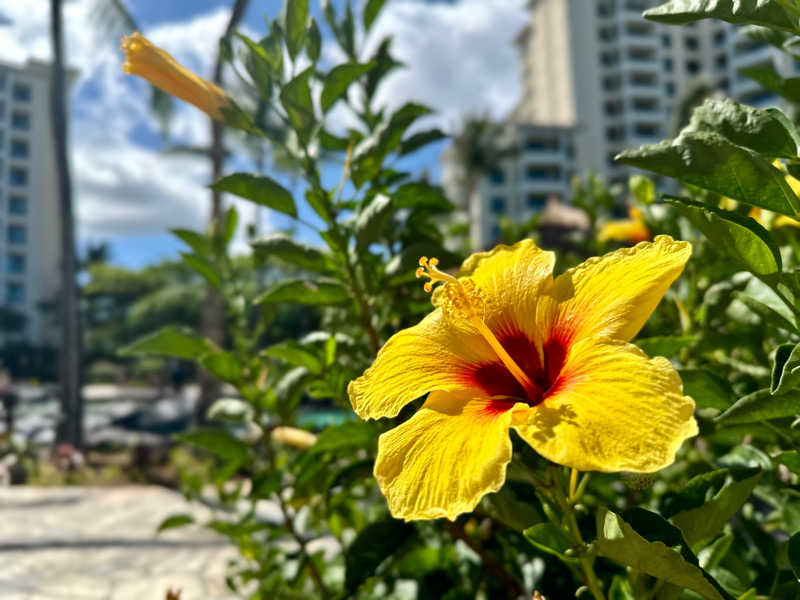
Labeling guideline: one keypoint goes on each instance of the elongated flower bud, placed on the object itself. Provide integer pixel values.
(294, 437)
(150, 62)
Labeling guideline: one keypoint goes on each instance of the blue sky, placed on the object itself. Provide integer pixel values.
(128, 191)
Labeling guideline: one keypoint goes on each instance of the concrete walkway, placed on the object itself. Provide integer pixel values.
(82, 543)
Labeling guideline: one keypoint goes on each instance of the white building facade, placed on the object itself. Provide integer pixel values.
(606, 80)
(29, 215)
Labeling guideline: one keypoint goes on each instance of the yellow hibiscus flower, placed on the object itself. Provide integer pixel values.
(508, 346)
(631, 230)
(147, 60)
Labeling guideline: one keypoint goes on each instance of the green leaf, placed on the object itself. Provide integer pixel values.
(273, 53)
(295, 14)
(768, 132)
(646, 545)
(664, 345)
(222, 365)
(259, 189)
(295, 354)
(357, 434)
(708, 389)
(385, 64)
(196, 241)
(296, 99)
(786, 368)
(371, 10)
(790, 459)
(551, 539)
(766, 14)
(794, 553)
(710, 161)
(734, 235)
(767, 312)
(712, 555)
(230, 223)
(295, 253)
(761, 406)
(371, 219)
(769, 78)
(313, 40)
(419, 194)
(203, 267)
(258, 65)
(707, 520)
(305, 292)
(174, 521)
(170, 341)
(338, 80)
(643, 189)
(621, 589)
(420, 139)
(374, 544)
(218, 442)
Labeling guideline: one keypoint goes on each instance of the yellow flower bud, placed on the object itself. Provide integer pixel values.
(150, 62)
(294, 437)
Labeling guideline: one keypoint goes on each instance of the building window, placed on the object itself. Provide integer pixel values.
(691, 43)
(21, 92)
(17, 205)
(498, 205)
(646, 130)
(19, 148)
(15, 264)
(548, 144)
(2, 79)
(609, 58)
(2, 110)
(640, 54)
(615, 134)
(669, 88)
(611, 83)
(719, 38)
(692, 67)
(18, 176)
(668, 65)
(497, 176)
(16, 234)
(666, 40)
(537, 173)
(15, 293)
(644, 104)
(605, 9)
(613, 108)
(721, 61)
(644, 79)
(20, 120)
(536, 201)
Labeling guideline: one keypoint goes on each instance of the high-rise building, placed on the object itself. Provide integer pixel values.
(29, 215)
(599, 78)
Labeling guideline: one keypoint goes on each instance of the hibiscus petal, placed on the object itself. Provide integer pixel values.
(445, 458)
(612, 409)
(437, 354)
(511, 278)
(612, 296)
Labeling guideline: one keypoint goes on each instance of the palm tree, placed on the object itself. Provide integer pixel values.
(70, 429)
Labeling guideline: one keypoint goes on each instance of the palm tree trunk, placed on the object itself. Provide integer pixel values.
(212, 309)
(70, 428)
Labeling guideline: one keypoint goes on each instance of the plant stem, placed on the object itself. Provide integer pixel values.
(514, 587)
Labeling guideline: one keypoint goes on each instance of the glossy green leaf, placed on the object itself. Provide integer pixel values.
(371, 10)
(643, 189)
(420, 139)
(173, 521)
(751, 12)
(170, 341)
(295, 253)
(294, 16)
(230, 410)
(790, 459)
(621, 589)
(257, 64)
(419, 194)
(769, 78)
(647, 546)
(305, 292)
(259, 189)
(196, 241)
(664, 345)
(549, 538)
(222, 365)
(218, 442)
(786, 368)
(769, 312)
(295, 354)
(313, 40)
(203, 267)
(710, 161)
(768, 132)
(356, 434)
(374, 544)
(371, 219)
(708, 389)
(712, 555)
(735, 235)
(762, 406)
(707, 520)
(338, 80)
(385, 63)
(296, 99)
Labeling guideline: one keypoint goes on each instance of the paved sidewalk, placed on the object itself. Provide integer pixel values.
(84, 543)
